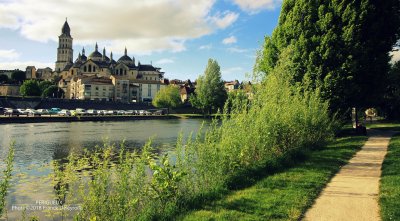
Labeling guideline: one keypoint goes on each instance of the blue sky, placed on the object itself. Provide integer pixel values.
(177, 35)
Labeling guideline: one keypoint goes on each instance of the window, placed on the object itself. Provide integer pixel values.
(149, 90)
(84, 69)
(97, 88)
(124, 72)
(90, 68)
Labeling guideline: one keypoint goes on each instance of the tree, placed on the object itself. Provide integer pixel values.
(43, 85)
(210, 93)
(167, 97)
(392, 96)
(3, 78)
(339, 46)
(18, 76)
(30, 88)
(53, 91)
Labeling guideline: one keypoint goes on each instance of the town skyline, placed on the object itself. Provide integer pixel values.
(227, 31)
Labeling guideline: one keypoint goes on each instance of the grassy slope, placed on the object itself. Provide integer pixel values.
(389, 198)
(287, 194)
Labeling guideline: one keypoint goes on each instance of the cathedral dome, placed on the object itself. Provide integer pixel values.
(95, 54)
(125, 58)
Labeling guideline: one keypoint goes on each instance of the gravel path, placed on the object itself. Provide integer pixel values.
(352, 194)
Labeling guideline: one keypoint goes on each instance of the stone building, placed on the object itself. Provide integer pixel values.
(132, 82)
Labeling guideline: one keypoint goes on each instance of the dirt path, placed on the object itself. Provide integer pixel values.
(352, 194)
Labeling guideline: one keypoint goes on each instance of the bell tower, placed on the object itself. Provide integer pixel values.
(64, 50)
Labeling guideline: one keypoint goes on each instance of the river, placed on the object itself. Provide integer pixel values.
(37, 144)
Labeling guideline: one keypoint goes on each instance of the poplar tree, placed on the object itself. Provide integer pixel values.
(339, 46)
(210, 93)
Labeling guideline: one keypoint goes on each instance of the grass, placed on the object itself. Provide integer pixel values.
(389, 197)
(384, 125)
(287, 194)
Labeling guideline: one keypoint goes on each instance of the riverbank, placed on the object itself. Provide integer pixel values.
(43, 119)
(287, 193)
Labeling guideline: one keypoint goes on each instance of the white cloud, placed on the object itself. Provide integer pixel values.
(229, 40)
(143, 26)
(395, 56)
(205, 47)
(165, 61)
(255, 6)
(9, 54)
(23, 64)
(223, 20)
(237, 50)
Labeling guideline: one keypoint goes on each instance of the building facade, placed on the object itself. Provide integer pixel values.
(132, 82)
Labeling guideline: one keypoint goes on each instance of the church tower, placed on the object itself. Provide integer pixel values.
(64, 50)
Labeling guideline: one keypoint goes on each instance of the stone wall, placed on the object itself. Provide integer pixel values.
(9, 90)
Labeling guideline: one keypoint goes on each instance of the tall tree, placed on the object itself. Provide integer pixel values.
(392, 96)
(43, 85)
(18, 76)
(210, 93)
(53, 91)
(340, 46)
(30, 88)
(167, 97)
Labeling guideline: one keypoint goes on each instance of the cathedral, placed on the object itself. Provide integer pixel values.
(141, 81)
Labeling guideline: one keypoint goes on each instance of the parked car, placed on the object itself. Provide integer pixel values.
(120, 112)
(22, 111)
(1, 110)
(129, 112)
(111, 112)
(32, 112)
(43, 111)
(64, 112)
(80, 111)
(11, 112)
(159, 112)
(101, 112)
(54, 111)
(92, 112)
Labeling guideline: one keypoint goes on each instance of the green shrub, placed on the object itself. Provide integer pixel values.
(5, 181)
(280, 120)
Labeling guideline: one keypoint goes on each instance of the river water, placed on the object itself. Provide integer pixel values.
(37, 144)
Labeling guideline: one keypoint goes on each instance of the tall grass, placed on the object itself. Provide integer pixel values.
(6, 177)
(279, 121)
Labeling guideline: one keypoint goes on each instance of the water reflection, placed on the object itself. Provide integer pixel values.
(37, 144)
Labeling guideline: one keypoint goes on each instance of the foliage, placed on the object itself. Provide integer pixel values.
(30, 88)
(279, 121)
(3, 78)
(167, 97)
(392, 95)
(389, 196)
(283, 194)
(338, 46)
(18, 76)
(53, 91)
(5, 181)
(210, 91)
(43, 85)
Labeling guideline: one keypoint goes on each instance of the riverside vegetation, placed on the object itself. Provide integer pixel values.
(280, 120)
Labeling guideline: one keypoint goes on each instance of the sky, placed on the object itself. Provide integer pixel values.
(178, 36)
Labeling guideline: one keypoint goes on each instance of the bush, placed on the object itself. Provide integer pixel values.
(278, 121)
